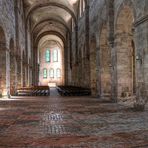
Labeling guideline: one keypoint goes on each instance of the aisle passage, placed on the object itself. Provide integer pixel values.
(70, 122)
(54, 92)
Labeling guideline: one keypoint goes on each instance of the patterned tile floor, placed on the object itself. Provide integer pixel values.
(70, 122)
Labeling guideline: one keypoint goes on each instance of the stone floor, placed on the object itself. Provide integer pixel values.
(70, 122)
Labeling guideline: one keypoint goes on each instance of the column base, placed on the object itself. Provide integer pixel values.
(139, 107)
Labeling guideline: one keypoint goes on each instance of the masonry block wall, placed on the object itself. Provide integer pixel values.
(118, 50)
(7, 24)
(13, 25)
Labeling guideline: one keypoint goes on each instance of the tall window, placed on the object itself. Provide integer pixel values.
(58, 73)
(55, 55)
(45, 73)
(51, 73)
(47, 55)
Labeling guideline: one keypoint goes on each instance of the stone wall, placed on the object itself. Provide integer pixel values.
(7, 23)
(124, 80)
(13, 24)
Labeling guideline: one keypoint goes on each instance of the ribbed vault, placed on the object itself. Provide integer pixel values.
(50, 16)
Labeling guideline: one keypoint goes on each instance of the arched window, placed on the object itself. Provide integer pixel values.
(55, 55)
(47, 55)
(51, 73)
(58, 73)
(45, 73)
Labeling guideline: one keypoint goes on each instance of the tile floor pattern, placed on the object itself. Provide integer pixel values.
(70, 122)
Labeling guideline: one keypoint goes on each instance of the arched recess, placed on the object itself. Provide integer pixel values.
(49, 33)
(93, 79)
(105, 63)
(51, 20)
(12, 68)
(124, 43)
(36, 54)
(3, 90)
(52, 60)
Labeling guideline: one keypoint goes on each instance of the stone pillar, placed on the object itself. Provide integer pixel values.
(7, 74)
(19, 71)
(69, 60)
(12, 74)
(76, 38)
(66, 60)
(16, 78)
(87, 30)
(34, 73)
(31, 82)
(36, 68)
(23, 73)
(29, 75)
(93, 83)
(113, 54)
(87, 47)
(141, 43)
(3, 88)
(113, 69)
(98, 72)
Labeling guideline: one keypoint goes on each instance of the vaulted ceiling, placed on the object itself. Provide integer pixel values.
(51, 16)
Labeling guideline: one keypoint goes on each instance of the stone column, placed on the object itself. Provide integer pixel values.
(12, 73)
(19, 83)
(141, 43)
(87, 47)
(113, 54)
(93, 65)
(113, 69)
(35, 67)
(69, 59)
(3, 90)
(66, 60)
(76, 44)
(16, 79)
(30, 76)
(7, 89)
(98, 72)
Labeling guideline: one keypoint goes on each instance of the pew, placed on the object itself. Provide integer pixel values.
(33, 91)
(73, 91)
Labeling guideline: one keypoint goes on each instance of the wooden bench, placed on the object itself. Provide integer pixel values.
(33, 91)
(73, 91)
